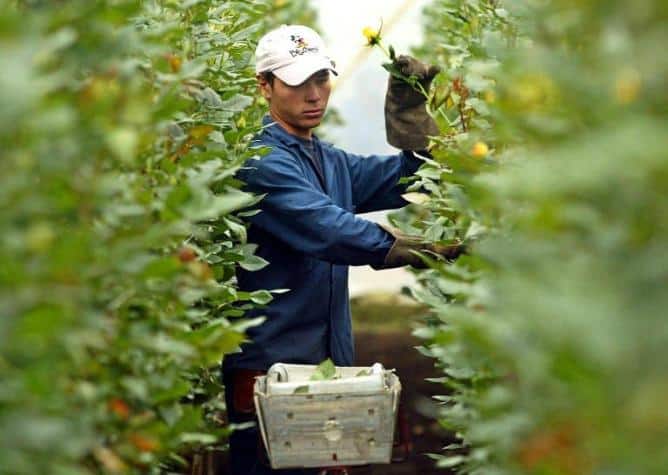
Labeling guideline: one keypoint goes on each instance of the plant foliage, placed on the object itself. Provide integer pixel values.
(551, 335)
(122, 123)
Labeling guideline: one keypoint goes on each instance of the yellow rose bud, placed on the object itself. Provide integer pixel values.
(627, 86)
(480, 150)
(40, 237)
(372, 35)
(174, 63)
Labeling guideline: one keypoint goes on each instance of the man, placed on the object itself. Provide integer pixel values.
(307, 226)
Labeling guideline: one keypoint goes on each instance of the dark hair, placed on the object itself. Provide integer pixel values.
(269, 77)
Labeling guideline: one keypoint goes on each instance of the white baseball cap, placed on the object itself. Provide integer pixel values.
(293, 53)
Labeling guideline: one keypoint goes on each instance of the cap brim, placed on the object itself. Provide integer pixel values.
(296, 73)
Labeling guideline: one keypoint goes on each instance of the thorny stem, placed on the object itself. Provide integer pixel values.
(414, 84)
(460, 107)
(422, 90)
(380, 45)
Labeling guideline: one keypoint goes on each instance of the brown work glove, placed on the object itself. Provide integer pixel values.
(401, 252)
(407, 122)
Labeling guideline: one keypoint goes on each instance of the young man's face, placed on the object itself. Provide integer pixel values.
(298, 108)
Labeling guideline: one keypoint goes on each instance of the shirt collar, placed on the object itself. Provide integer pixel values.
(274, 130)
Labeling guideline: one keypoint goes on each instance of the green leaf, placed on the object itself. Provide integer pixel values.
(197, 438)
(452, 461)
(236, 103)
(324, 371)
(123, 143)
(262, 297)
(253, 263)
(162, 267)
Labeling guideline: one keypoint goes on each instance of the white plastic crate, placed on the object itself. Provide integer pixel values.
(345, 421)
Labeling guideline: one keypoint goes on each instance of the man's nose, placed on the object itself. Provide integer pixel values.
(312, 92)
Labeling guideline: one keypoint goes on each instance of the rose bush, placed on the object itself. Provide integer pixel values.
(550, 337)
(122, 124)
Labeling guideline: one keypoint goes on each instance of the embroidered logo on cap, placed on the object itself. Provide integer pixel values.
(301, 46)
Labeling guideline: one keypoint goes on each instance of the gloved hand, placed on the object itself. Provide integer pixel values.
(407, 122)
(400, 254)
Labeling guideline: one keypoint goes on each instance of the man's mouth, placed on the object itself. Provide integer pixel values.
(313, 113)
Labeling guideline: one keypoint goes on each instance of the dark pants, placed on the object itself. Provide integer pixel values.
(247, 455)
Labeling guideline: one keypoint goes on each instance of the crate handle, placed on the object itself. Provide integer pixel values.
(278, 373)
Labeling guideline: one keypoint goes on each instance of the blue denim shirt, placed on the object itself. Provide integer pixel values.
(309, 232)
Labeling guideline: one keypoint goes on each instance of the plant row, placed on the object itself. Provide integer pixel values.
(550, 337)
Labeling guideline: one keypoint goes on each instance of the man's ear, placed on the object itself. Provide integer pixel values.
(264, 86)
